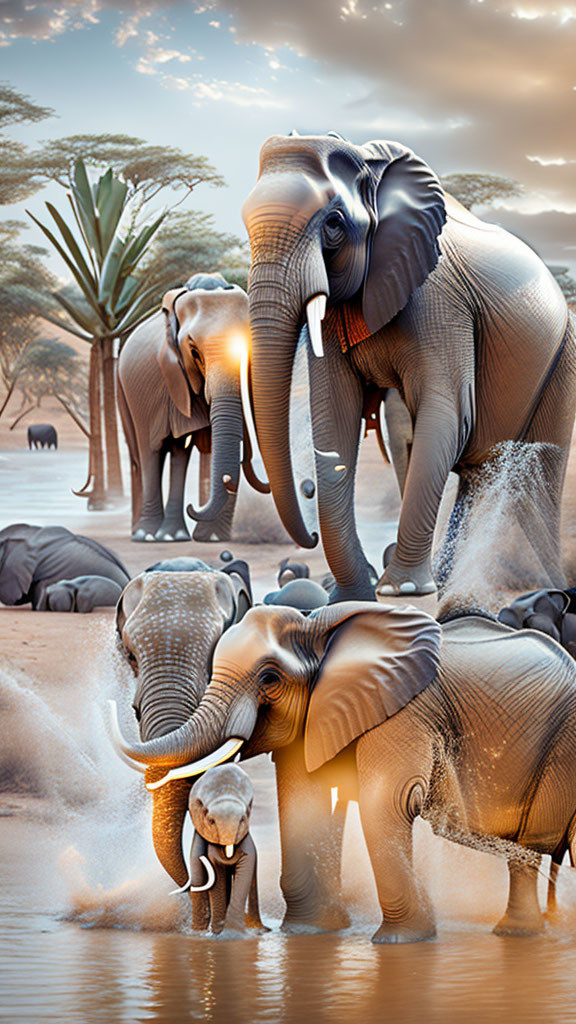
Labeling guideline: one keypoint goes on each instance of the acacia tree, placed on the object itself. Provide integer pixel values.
(25, 286)
(20, 168)
(480, 189)
(103, 254)
(188, 243)
(51, 368)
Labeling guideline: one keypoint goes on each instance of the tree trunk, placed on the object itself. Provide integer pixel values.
(96, 497)
(21, 416)
(113, 468)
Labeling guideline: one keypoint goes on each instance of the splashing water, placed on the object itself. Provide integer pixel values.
(502, 536)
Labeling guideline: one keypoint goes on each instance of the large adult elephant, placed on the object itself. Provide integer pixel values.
(179, 386)
(470, 725)
(168, 624)
(416, 294)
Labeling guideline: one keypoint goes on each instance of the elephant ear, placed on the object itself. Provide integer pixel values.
(17, 572)
(378, 658)
(170, 363)
(128, 601)
(235, 597)
(239, 571)
(408, 204)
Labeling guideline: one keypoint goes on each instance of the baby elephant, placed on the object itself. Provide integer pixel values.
(81, 594)
(223, 856)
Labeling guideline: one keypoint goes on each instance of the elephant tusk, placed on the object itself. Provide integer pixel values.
(199, 888)
(224, 753)
(229, 850)
(118, 740)
(315, 312)
(246, 403)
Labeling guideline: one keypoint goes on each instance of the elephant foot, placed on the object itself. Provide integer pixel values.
(406, 581)
(142, 536)
(209, 533)
(167, 536)
(514, 926)
(392, 933)
(330, 919)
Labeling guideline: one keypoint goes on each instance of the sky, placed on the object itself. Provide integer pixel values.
(470, 85)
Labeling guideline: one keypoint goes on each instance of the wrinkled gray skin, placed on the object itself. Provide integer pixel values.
(472, 727)
(42, 435)
(460, 317)
(178, 388)
(220, 804)
(82, 594)
(169, 624)
(33, 557)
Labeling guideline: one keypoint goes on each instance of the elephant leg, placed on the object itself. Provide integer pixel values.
(393, 782)
(336, 402)
(311, 847)
(152, 510)
(253, 919)
(523, 915)
(221, 527)
(173, 526)
(218, 895)
(455, 532)
(242, 883)
(538, 513)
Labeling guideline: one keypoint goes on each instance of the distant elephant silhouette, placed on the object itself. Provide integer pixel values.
(42, 435)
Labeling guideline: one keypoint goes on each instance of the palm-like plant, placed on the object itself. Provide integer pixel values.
(102, 251)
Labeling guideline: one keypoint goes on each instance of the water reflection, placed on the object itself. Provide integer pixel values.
(73, 974)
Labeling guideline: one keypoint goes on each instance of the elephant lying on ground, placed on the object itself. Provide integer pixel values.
(470, 725)
(419, 295)
(42, 435)
(551, 611)
(179, 386)
(168, 624)
(82, 594)
(34, 557)
(220, 803)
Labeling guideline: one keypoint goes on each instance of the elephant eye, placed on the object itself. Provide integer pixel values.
(269, 678)
(334, 229)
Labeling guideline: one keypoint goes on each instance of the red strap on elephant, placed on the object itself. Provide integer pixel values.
(347, 323)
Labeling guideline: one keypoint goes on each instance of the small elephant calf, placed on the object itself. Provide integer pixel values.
(223, 857)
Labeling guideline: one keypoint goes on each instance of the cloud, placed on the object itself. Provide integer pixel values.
(217, 90)
(495, 78)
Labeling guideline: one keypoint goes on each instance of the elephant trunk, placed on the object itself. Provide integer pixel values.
(170, 804)
(216, 720)
(166, 696)
(227, 430)
(275, 322)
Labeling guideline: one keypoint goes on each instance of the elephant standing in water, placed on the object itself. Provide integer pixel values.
(220, 804)
(417, 294)
(179, 386)
(168, 624)
(470, 725)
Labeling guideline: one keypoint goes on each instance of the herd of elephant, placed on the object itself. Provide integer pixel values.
(405, 303)
(409, 307)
